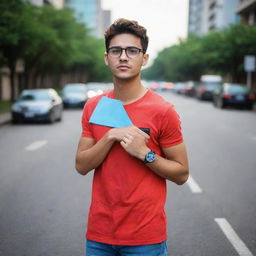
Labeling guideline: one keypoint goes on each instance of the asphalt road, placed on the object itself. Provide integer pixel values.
(44, 202)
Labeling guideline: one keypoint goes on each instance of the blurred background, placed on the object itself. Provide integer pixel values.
(51, 43)
(202, 60)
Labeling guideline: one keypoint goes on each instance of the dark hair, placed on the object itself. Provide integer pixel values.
(122, 26)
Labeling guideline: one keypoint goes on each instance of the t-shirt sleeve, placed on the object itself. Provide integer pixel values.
(170, 131)
(86, 126)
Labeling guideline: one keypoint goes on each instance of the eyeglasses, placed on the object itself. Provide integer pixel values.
(131, 51)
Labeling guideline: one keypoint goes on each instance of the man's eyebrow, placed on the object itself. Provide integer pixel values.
(124, 47)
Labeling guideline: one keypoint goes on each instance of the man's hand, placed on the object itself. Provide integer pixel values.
(118, 134)
(133, 140)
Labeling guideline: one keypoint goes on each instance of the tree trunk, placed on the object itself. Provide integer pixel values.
(12, 80)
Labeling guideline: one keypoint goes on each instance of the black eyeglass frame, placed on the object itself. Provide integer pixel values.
(125, 49)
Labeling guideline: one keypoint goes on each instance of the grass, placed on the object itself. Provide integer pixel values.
(5, 106)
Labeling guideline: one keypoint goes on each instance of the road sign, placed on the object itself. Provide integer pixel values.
(249, 63)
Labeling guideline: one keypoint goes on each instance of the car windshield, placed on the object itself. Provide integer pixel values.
(35, 96)
(74, 89)
(237, 89)
(212, 85)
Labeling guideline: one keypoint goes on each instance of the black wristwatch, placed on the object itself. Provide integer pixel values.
(150, 157)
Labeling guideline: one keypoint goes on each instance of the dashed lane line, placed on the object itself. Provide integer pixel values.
(193, 185)
(36, 145)
(232, 236)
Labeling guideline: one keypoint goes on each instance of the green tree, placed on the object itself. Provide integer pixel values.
(179, 62)
(50, 41)
(219, 52)
(15, 34)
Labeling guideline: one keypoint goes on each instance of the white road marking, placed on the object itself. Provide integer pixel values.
(234, 239)
(36, 145)
(194, 187)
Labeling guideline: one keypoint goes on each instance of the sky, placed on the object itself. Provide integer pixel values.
(165, 20)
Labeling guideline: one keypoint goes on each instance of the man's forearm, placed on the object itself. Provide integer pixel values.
(174, 167)
(89, 159)
(169, 169)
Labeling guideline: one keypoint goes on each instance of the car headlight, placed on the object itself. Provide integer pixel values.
(99, 92)
(91, 93)
(16, 108)
(44, 109)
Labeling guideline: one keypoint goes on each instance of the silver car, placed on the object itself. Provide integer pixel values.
(37, 105)
(74, 95)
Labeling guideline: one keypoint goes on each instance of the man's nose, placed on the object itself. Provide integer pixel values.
(123, 54)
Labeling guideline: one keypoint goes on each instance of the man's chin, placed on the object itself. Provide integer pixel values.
(126, 77)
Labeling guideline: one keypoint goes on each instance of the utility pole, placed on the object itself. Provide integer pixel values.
(249, 67)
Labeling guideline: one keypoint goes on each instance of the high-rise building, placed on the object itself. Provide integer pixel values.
(54, 3)
(208, 15)
(106, 19)
(91, 14)
(195, 19)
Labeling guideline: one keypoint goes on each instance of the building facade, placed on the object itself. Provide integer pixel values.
(208, 15)
(91, 14)
(247, 11)
(195, 18)
(55, 3)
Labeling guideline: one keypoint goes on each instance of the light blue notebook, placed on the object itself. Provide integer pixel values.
(111, 113)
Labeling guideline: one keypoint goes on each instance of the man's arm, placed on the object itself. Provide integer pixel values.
(91, 154)
(174, 167)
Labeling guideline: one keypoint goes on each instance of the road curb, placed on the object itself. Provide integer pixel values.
(5, 118)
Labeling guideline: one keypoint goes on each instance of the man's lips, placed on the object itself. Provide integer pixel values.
(123, 67)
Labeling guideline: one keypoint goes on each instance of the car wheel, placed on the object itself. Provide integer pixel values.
(249, 107)
(59, 118)
(199, 97)
(221, 104)
(15, 121)
(51, 118)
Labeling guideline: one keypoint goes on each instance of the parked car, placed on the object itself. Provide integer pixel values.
(233, 95)
(74, 95)
(179, 87)
(153, 86)
(95, 89)
(164, 86)
(190, 88)
(208, 84)
(37, 105)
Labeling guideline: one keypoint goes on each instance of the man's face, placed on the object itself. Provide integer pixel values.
(124, 67)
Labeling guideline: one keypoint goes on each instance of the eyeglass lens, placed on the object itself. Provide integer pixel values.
(131, 52)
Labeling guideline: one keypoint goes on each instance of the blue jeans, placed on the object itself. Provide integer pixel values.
(101, 249)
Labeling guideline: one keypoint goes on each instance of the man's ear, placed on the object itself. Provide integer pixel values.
(106, 58)
(145, 59)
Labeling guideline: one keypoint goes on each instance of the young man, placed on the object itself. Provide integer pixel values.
(131, 167)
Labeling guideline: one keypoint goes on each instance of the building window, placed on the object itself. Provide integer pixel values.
(212, 17)
(212, 27)
(212, 5)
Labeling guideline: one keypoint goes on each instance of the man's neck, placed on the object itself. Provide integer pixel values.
(129, 90)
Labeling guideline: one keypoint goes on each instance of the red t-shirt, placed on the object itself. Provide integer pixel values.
(128, 198)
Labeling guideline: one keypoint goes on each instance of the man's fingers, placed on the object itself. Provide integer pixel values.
(139, 131)
(123, 144)
(145, 135)
(127, 138)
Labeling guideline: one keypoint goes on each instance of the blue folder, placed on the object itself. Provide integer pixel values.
(110, 112)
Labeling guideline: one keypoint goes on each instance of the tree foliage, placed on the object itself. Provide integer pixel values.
(220, 52)
(50, 41)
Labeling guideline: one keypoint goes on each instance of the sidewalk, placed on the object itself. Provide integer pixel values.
(5, 118)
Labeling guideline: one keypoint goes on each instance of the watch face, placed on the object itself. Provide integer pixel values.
(150, 157)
